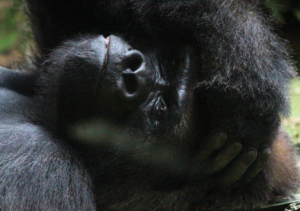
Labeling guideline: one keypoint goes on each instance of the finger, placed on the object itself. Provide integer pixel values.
(225, 156)
(257, 165)
(238, 168)
(213, 143)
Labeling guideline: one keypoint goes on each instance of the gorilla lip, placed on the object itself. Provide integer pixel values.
(107, 40)
(107, 52)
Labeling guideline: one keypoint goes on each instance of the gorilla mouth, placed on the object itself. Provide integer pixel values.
(107, 44)
(107, 41)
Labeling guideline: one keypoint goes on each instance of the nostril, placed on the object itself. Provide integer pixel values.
(133, 60)
(130, 82)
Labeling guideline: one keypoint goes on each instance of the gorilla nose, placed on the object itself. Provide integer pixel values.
(133, 61)
(129, 69)
(134, 74)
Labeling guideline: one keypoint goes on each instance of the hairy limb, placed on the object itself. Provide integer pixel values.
(21, 82)
(39, 173)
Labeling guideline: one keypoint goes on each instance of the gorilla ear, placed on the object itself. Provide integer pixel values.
(21, 82)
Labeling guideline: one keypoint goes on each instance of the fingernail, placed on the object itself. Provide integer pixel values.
(219, 139)
(222, 136)
(249, 157)
(236, 145)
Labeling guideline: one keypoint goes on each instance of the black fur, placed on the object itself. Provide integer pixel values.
(241, 70)
(21, 82)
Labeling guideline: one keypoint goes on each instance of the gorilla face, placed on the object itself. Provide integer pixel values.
(147, 93)
(152, 89)
(148, 86)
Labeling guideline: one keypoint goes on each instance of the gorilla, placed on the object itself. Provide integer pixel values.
(178, 108)
(21, 82)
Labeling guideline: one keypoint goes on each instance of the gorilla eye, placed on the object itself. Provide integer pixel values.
(170, 65)
(160, 109)
(172, 62)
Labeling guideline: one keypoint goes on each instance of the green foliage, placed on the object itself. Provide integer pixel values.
(292, 125)
(277, 8)
(295, 97)
(11, 24)
(280, 7)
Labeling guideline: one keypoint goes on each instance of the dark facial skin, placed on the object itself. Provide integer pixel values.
(150, 94)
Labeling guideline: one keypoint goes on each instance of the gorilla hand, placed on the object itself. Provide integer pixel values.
(229, 161)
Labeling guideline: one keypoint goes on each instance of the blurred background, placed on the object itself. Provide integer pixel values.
(16, 43)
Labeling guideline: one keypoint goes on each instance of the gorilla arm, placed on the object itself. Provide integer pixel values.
(21, 82)
(37, 172)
